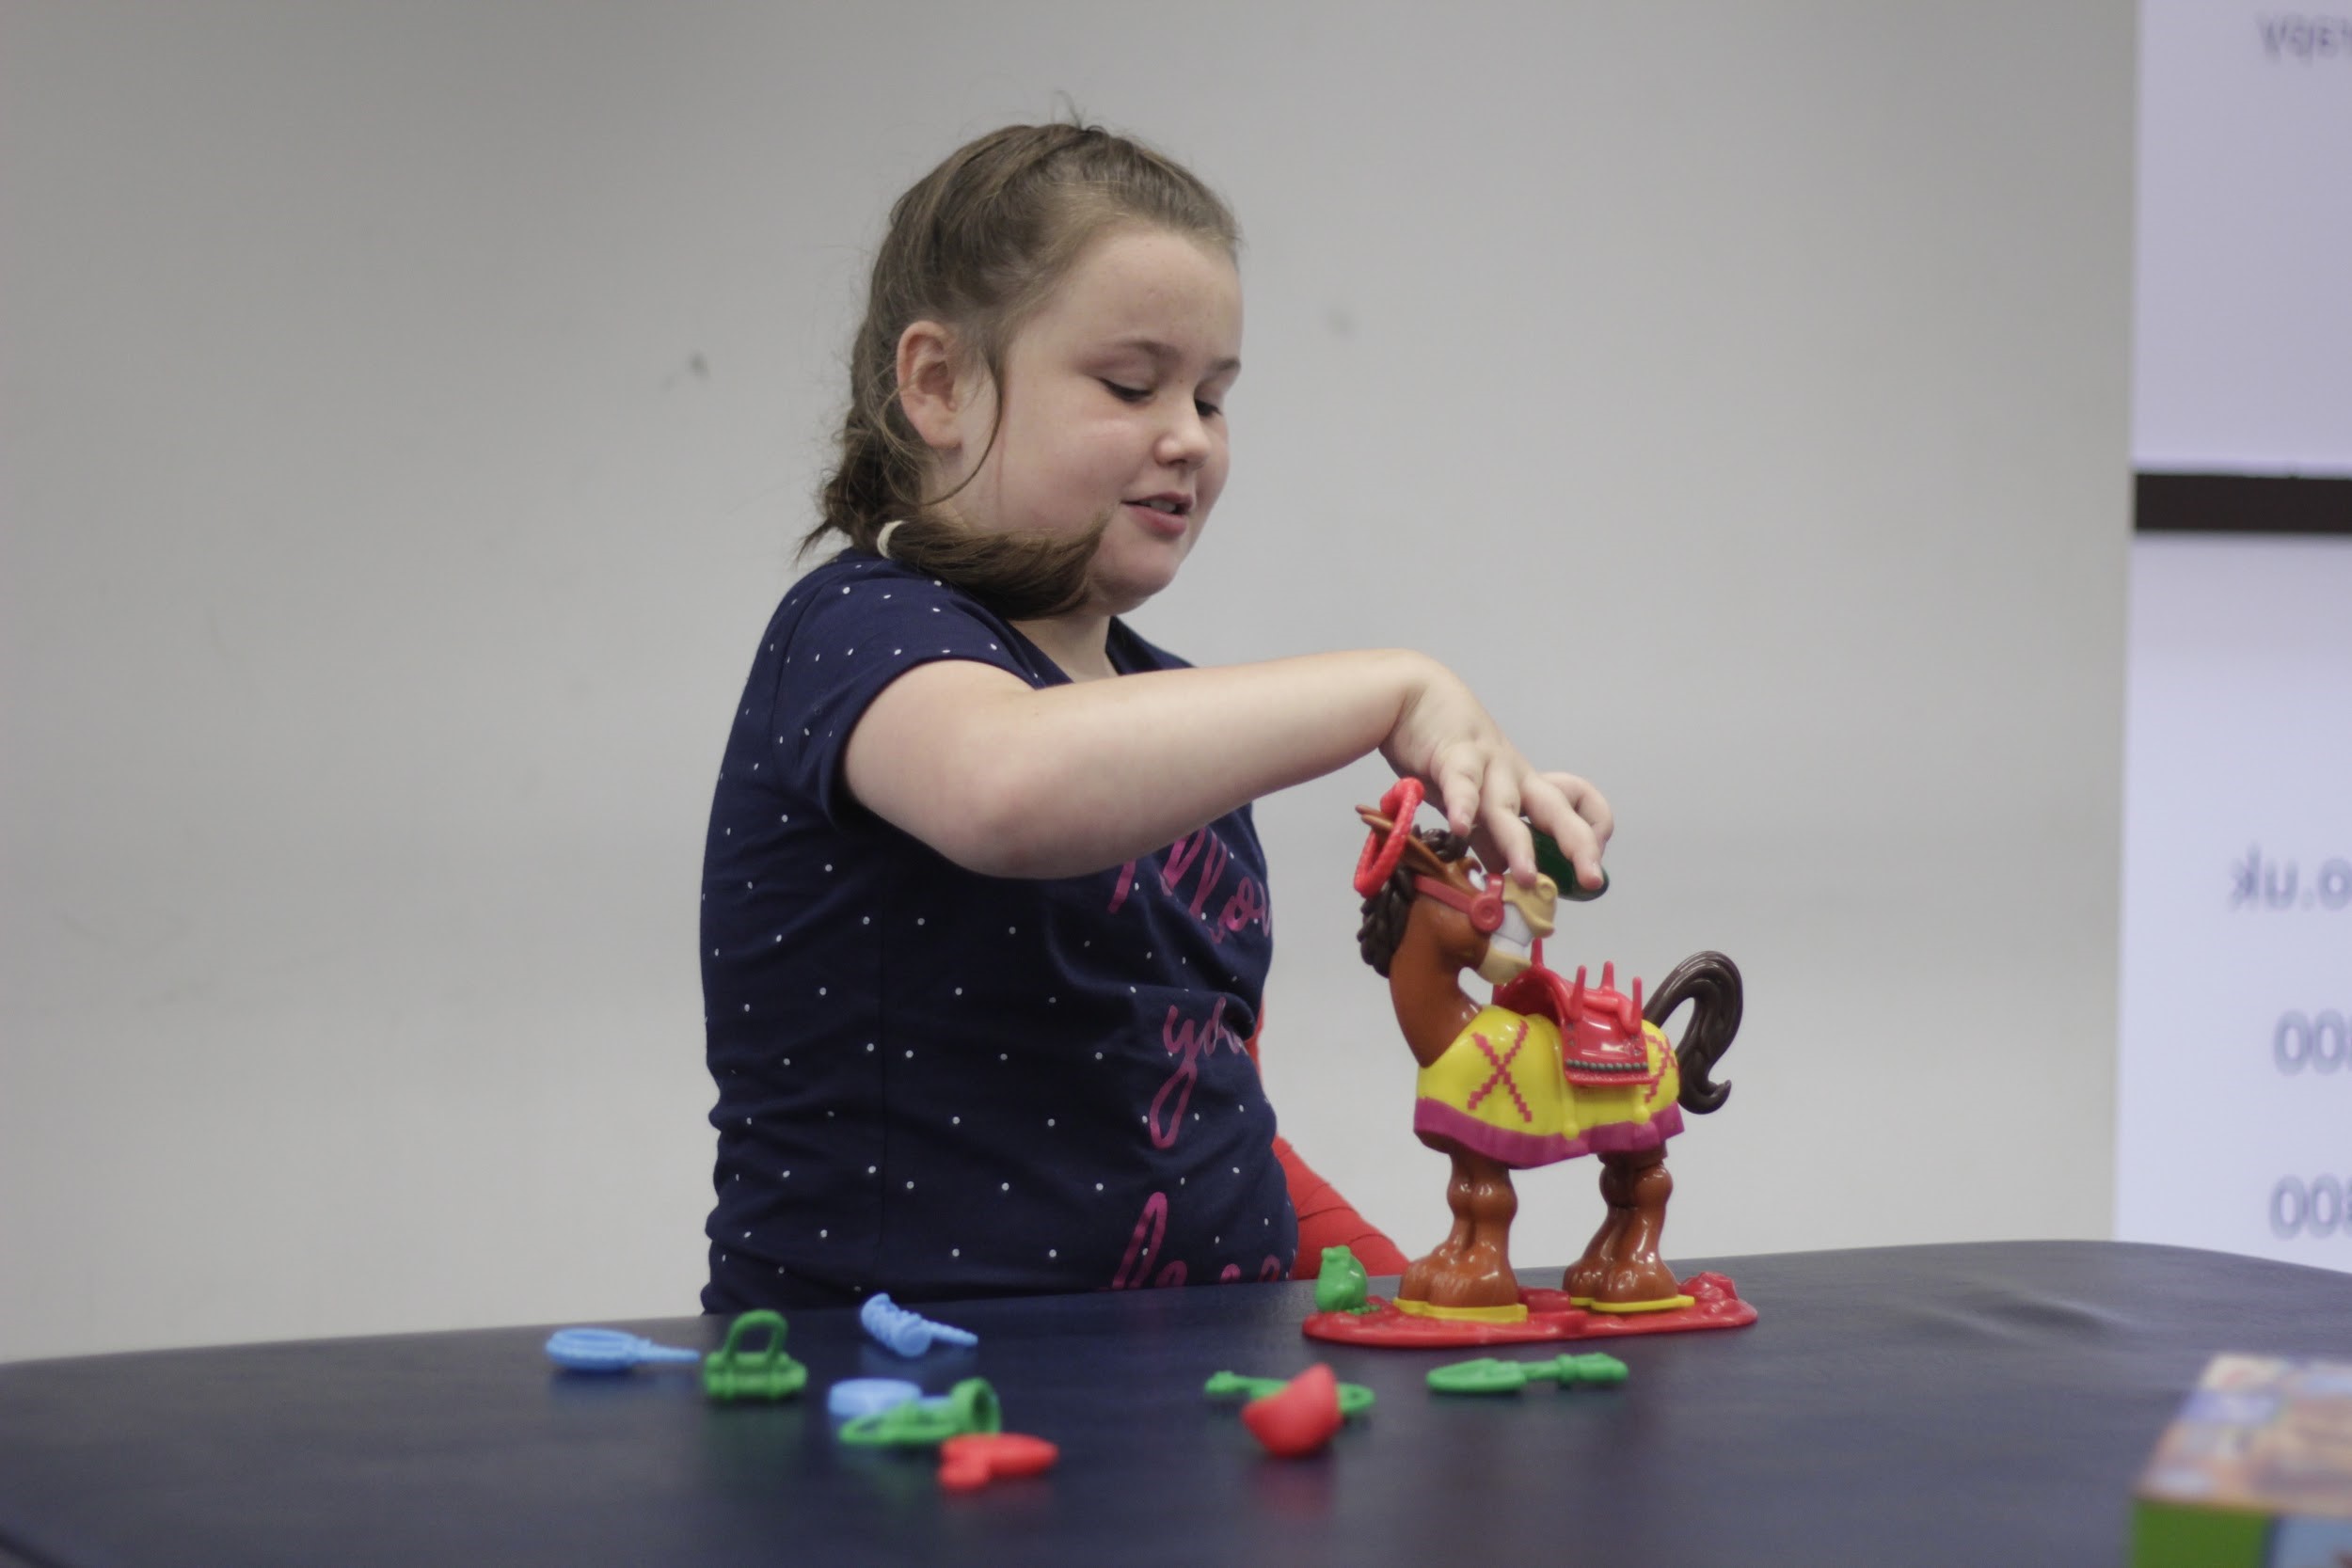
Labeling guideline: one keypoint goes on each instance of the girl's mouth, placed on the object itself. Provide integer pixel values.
(1168, 516)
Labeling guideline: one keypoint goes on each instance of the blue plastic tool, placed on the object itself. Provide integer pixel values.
(870, 1395)
(608, 1349)
(906, 1332)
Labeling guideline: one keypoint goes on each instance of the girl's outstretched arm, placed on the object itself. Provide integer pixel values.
(1012, 782)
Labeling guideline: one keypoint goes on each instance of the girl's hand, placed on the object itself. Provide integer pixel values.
(1445, 738)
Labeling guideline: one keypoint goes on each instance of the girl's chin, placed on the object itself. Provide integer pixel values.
(1166, 526)
(1120, 586)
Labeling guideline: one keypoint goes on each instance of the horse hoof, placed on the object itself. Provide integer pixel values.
(1475, 1293)
(1650, 1287)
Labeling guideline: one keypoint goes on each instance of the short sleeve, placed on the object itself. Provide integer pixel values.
(863, 624)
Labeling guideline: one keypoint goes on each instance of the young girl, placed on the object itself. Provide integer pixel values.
(985, 926)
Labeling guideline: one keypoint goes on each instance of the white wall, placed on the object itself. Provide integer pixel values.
(407, 410)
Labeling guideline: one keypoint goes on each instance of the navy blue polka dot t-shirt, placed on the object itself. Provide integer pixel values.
(936, 1083)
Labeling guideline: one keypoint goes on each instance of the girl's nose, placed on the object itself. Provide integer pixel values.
(1185, 443)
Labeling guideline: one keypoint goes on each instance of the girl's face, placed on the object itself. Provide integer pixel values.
(1113, 405)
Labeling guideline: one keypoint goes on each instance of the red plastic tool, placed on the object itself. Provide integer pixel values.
(968, 1463)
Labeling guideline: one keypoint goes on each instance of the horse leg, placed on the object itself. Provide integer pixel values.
(1471, 1267)
(1588, 1273)
(1459, 1198)
(1637, 1187)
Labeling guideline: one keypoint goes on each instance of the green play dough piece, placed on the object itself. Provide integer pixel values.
(1340, 1282)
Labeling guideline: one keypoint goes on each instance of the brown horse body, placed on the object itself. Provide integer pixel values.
(1424, 925)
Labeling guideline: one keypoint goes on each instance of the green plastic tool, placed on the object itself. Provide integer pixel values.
(1488, 1375)
(970, 1407)
(1355, 1399)
(734, 1373)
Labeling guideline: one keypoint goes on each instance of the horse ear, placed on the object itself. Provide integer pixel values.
(1422, 858)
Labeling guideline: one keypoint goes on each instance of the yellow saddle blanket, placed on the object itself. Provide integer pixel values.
(1499, 1090)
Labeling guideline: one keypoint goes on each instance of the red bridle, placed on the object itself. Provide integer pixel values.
(1383, 851)
(1485, 907)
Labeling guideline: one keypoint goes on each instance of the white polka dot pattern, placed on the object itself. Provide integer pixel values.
(1049, 1045)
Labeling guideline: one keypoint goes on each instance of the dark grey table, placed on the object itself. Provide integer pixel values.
(1974, 1404)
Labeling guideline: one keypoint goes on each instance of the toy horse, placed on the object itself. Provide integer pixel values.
(1547, 1071)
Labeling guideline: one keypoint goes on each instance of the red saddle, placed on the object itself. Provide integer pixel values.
(1602, 1044)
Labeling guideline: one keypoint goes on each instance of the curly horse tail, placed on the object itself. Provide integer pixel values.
(1710, 983)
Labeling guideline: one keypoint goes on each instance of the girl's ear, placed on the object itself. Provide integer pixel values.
(933, 385)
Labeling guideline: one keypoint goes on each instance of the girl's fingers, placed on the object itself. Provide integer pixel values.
(1458, 785)
(1517, 846)
(1500, 815)
(1587, 802)
(1561, 813)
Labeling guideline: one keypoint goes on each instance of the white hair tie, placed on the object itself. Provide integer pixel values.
(882, 540)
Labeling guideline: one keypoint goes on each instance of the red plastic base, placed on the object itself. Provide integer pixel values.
(1716, 1304)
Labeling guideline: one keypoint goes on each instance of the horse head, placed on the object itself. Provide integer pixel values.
(1429, 887)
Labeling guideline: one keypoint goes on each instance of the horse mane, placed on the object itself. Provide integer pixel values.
(1388, 906)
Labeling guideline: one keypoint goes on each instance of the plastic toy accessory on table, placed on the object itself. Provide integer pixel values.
(972, 1461)
(853, 1396)
(908, 1333)
(1545, 1071)
(734, 1372)
(970, 1407)
(1355, 1399)
(608, 1349)
(966, 1425)
(1294, 1419)
(1490, 1376)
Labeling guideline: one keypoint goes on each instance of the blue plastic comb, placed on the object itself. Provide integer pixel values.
(608, 1349)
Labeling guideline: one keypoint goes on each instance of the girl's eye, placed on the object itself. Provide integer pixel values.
(1207, 410)
(1128, 394)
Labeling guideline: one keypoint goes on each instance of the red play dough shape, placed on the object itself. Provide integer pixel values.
(968, 1463)
(1301, 1417)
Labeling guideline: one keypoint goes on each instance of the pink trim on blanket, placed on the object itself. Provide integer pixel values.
(1525, 1150)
